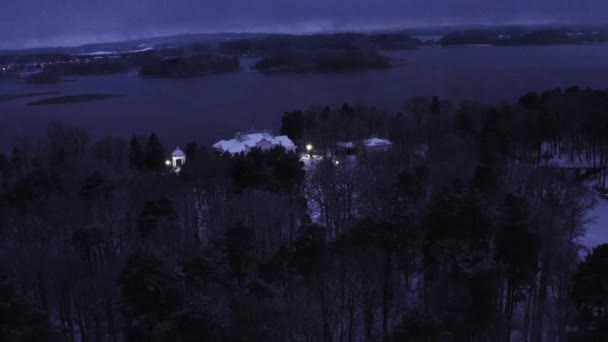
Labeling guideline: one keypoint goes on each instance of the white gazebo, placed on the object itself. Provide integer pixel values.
(178, 158)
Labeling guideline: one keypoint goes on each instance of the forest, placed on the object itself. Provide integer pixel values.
(321, 61)
(511, 36)
(462, 231)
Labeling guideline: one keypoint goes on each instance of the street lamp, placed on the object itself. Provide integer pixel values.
(309, 149)
(168, 162)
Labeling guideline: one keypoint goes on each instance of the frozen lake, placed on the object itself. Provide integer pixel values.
(209, 108)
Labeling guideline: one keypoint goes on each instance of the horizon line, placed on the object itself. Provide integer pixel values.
(363, 29)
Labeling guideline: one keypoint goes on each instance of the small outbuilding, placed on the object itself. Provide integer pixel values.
(377, 144)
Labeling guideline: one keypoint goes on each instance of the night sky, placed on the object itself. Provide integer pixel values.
(30, 23)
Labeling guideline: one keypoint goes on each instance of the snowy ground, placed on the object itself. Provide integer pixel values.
(313, 209)
(597, 231)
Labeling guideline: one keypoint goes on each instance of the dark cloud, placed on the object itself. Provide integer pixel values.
(60, 22)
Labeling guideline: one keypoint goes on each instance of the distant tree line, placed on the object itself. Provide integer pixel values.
(93, 67)
(475, 240)
(269, 44)
(521, 36)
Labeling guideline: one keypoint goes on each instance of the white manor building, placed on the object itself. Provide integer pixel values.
(244, 142)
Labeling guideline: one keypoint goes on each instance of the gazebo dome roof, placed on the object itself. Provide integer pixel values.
(178, 153)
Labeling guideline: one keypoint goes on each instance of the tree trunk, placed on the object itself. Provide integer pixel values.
(386, 296)
(351, 321)
(538, 331)
(327, 334)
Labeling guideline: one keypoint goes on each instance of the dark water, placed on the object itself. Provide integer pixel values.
(207, 109)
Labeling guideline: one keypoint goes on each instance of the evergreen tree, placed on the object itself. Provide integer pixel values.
(136, 154)
(154, 215)
(154, 154)
(17, 159)
(240, 250)
(3, 162)
(4, 170)
(459, 266)
(19, 320)
(191, 151)
(418, 326)
(518, 246)
(590, 291)
(150, 295)
(293, 125)
(435, 106)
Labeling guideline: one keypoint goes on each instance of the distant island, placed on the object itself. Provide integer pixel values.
(73, 99)
(191, 66)
(260, 46)
(322, 61)
(319, 53)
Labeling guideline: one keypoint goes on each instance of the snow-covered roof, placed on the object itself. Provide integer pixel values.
(254, 137)
(231, 146)
(284, 141)
(243, 142)
(178, 153)
(376, 142)
(346, 144)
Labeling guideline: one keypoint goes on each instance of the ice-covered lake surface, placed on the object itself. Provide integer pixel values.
(209, 108)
